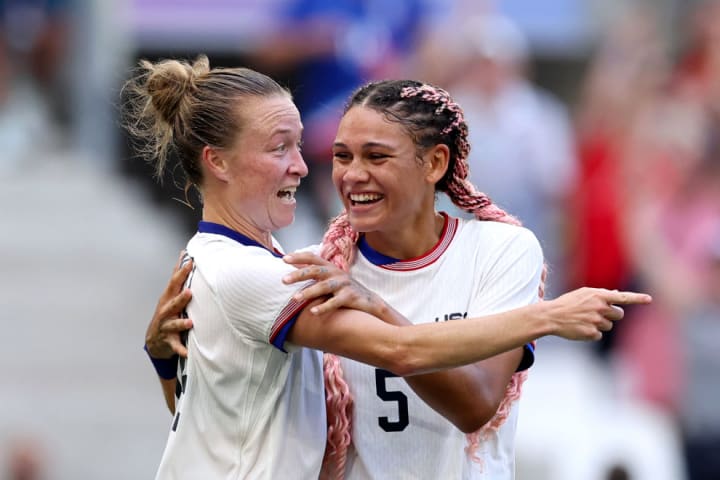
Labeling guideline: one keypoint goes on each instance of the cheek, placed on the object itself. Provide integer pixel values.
(337, 175)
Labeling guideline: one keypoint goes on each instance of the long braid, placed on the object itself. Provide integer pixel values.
(338, 246)
(338, 243)
(464, 194)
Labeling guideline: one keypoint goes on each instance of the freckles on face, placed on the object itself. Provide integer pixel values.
(270, 163)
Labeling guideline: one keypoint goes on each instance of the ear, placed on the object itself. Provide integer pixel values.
(437, 159)
(215, 163)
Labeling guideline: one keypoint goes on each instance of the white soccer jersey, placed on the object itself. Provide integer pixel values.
(247, 409)
(477, 268)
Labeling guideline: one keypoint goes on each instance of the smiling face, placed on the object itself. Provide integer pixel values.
(383, 184)
(264, 166)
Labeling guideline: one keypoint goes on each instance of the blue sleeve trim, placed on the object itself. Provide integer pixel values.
(279, 340)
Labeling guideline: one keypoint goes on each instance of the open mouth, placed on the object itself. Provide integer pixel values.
(287, 193)
(364, 198)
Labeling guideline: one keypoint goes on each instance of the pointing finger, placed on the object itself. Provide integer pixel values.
(627, 298)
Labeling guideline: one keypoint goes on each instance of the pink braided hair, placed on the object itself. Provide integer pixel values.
(338, 246)
(463, 194)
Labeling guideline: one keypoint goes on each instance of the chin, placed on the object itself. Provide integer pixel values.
(282, 222)
(362, 225)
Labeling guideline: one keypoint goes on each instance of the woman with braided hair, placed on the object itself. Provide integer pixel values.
(398, 144)
(249, 401)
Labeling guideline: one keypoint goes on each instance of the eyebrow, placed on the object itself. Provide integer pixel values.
(365, 145)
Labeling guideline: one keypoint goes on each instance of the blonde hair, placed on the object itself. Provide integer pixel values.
(173, 108)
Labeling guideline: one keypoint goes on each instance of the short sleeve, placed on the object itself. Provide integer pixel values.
(513, 280)
(255, 300)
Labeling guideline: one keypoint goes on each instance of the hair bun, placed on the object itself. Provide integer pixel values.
(169, 82)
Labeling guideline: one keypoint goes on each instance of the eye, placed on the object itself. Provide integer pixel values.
(377, 155)
(341, 156)
(300, 145)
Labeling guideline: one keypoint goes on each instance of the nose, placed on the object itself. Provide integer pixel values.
(298, 166)
(354, 172)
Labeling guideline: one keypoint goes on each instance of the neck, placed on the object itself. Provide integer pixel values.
(236, 222)
(411, 241)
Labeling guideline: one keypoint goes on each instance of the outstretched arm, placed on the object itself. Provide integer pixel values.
(579, 315)
(469, 395)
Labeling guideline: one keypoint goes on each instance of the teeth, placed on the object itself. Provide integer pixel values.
(288, 192)
(364, 197)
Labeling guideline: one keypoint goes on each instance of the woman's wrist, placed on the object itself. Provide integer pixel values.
(542, 324)
(166, 368)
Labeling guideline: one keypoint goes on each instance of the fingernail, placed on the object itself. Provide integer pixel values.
(287, 257)
(314, 310)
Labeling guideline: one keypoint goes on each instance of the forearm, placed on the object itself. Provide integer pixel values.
(166, 370)
(468, 396)
(168, 388)
(430, 347)
(376, 338)
(418, 349)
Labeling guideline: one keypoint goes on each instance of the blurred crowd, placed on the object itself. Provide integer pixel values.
(34, 38)
(618, 175)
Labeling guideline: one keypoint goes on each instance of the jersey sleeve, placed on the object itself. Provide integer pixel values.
(512, 281)
(255, 300)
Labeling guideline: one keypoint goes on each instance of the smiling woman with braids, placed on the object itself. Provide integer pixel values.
(398, 144)
(250, 401)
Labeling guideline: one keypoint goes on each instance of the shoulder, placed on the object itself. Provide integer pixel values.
(500, 240)
(496, 232)
(227, 263)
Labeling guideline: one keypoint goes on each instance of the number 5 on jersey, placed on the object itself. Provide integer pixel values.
(391, 396)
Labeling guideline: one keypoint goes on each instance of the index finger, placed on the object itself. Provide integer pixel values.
(180, 275)
(176, 304)
(628, 298)
(305, 257)
(178, 264)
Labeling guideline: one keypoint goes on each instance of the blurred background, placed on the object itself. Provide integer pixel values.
(597, 122)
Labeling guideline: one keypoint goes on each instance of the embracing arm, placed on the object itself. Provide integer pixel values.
(162, 339)
(468, 396)
(168, 389)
